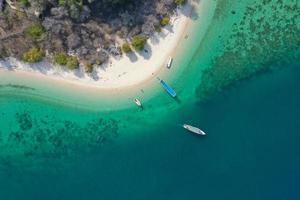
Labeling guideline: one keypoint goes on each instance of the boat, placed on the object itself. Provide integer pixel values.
(168, 88)
(137, 102)
(193, 129)
(169, 64)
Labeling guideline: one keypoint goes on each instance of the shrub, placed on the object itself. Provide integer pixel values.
(99, 62)
(126, 48)
(3, 53)
(62, 2)
(60, 58)
(33, 55)
(73, 6)
(34, 31)
(25, 3)
(165, 21)
(63, 59)
(72, 62)
(179, 2)
(138, 42)
(70, 2)
(88, 67)
(157, 28)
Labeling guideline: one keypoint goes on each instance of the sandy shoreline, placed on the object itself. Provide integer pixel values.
(127, 71)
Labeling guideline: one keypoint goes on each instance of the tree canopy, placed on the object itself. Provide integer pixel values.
(138, 42)
(33, 55)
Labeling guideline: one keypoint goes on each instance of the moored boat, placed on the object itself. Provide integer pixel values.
(193, 129)
(168, 88)
(137, 102)
(169, 64)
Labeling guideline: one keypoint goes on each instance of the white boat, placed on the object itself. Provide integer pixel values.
(137, 102)
(169, 64)
(193, 129)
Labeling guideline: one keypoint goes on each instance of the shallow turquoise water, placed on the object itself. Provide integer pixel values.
(53, 151)
(251, 152)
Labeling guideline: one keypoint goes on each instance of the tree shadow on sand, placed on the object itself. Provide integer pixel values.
(169, 28)
(12, 64)
(189, 10)
(94, 75)
(154, 40)
(79, 73)
(146, 53)
(132, 57)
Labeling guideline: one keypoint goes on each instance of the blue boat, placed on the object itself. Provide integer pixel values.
(168, 88)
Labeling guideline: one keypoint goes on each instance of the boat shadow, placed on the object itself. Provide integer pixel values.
(177, 100)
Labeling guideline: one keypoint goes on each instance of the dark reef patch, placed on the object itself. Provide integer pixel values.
(22, 87)
(268, 35)
(43, 137)
(24, 120)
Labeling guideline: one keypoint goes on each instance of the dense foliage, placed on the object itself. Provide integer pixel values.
(74, 7)
(34, 31)
(60, 58)
(165, 20)
(25, 3)
(63, 59)
(179, 2)
(138, 42)
(88, 67)
(72, 62)
(33, 55)
(126, 47)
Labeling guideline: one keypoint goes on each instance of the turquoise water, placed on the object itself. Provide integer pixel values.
(56, 145)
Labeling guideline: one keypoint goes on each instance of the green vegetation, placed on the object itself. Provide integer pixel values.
(25, 3)
(99, 62)
(3, 54)
(165, 21)
(126, 47)
(62, 2)
(157, 28)
(60, 58)
(63, 59)
(88, 67)
(179, 2)
(35, 31)
(70, 2)
(33, 55)
(74, 7)
(138, 42)
(72, 62)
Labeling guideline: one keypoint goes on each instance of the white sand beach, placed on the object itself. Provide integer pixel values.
(129, 70)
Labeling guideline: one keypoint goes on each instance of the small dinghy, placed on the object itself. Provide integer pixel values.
(193, 129)
(137, 102)
(169, 64)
